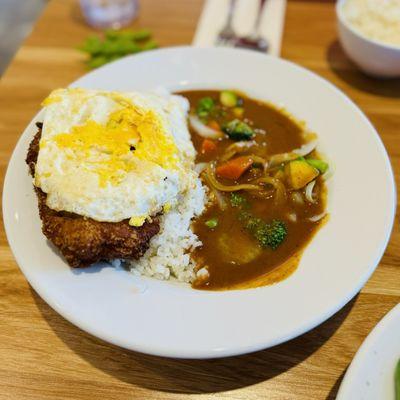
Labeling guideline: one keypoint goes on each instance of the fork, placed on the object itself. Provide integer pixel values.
(227, 35)
(255, 41)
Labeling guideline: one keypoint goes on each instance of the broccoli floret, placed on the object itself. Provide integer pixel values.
(204, 107)
(272, 234)
(238, 130)
(239, 201)
(267, 234)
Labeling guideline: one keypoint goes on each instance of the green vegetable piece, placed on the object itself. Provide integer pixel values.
(228, 98)
(204, 107)
(238, 200)
(97, 61)
(116, 44)
(212, 223)
(268, 235)
(127, 47)
(150, 45)
(320, 165)
(114, 57)
(113, 34)
(397, 381)
(143, 34)
(110, 47)
(92, 45)
(271, 235)
(238, 130)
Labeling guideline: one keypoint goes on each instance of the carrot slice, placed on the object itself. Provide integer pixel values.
(214, 125)
(208, 146)
(234, 169)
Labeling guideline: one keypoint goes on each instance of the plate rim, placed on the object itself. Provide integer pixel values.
(365, 349)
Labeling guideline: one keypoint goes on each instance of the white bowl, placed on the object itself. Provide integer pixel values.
(374, 58)
(171, 319)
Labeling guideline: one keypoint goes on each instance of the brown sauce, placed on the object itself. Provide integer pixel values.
(231, 254)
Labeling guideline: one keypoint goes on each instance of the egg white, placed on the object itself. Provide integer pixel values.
(71, 183)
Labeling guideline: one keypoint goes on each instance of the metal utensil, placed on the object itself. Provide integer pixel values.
(227, 35)
(255, 41)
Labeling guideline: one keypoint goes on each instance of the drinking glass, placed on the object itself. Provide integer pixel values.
(109, 13)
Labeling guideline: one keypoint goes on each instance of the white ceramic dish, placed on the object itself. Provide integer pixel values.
(373, 57)
(171, 319)
(371, 373)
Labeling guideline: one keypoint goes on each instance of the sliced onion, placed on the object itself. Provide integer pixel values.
(305, 148)
(259, 160)
(280, 192)
(202, 273)
(328, 174)
(204, 130)
(235, 148)
(219, 197)
(296, 153)
(292, 217)
(220, 200)
(210, 176)
(200, 167)
(281, 158)
(318, 217)
(309, 191)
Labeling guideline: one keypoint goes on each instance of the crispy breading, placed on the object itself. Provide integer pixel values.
(84, 241)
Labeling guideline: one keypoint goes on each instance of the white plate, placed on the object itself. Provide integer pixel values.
(171, 319)
(371, 373)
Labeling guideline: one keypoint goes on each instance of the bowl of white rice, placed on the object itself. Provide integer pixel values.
(369, 31)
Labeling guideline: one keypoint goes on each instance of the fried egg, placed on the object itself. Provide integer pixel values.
(112, 156)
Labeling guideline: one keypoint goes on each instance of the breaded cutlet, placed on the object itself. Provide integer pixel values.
(83, 241)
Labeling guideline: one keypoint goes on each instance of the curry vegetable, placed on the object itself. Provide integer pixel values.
(267, 234)
(204, 107)
(238, 130)
(320, 165)
(237, 200)
(300, 173)
(212, 223)
(228, 98)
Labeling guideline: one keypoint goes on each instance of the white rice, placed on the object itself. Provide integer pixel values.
(375, 19)
(169, 251)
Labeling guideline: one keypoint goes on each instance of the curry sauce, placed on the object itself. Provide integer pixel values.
(234, 252)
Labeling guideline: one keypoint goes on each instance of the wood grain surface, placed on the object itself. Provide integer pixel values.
(42, 356)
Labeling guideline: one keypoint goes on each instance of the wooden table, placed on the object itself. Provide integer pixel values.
(42, 356)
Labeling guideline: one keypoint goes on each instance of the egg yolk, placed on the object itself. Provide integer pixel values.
(110, 150)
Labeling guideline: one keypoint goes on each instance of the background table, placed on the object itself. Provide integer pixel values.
(42, 356)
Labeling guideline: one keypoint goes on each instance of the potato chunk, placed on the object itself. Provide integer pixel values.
(299, 173)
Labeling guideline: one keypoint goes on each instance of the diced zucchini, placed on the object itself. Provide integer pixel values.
(299, 173)
(320, 165)
(204, 107)
(238, 130)
(212, 223)
(228, 98)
